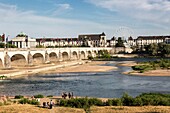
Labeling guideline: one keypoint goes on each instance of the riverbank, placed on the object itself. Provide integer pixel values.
(158, 72)
(59, 67)
(12, 106)
(18, 108)
(92, 66)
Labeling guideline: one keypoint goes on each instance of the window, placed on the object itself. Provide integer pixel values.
(103, 38)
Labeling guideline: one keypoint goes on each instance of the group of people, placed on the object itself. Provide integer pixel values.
(64, 95)
(48, 104)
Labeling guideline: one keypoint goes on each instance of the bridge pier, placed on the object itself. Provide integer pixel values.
(60, 56)
(7, 60)
(29, 58)
(71, 55)
(46, 57)
(79, 55)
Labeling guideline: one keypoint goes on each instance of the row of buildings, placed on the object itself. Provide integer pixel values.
(146, 40)
(88, 40)
(95, 40)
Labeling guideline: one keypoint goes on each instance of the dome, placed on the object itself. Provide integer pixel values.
(22, 34)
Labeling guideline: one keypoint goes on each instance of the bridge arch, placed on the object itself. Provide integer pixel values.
(18, 60)
(53, 57)
(38, 58)
(75, 55)
(95, 53)
(65, 56)
(89, 53)
(82, 55)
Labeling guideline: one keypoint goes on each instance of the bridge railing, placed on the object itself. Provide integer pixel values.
(42, 49)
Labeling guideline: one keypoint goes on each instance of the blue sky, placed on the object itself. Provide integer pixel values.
(69, 18)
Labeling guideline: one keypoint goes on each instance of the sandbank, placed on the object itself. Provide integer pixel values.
(93, 66)
(127, 63)
(59, 67)
(158, 72)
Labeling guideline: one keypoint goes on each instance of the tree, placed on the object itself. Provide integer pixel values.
(153, 49)
(161, 49)
(8, 45)
(166, 49)
(120, 42)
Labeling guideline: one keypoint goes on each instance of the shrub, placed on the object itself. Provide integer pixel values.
(114, 102)
(34, 102)
(117, 102)
(50, 46)
(127, 100)
(63, 103)
(39, 46)
(155, 99)
(14, 101)
(50, 96)
(19, 96)
(104, 54)
(90, 58)
(27, 101)
(152, 65)
(95, 101)
(23, 101)
(81, 102)
(138, 102)
(109, 102)
(3, 77)
(38, 96)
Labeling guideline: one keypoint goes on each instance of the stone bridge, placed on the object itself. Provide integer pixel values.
(34, 56)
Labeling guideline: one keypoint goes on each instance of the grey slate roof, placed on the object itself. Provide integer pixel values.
(91, 36)
(152, 37)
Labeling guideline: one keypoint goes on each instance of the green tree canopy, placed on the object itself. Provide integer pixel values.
(120, 42)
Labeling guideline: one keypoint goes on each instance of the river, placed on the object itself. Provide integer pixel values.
(109, 84)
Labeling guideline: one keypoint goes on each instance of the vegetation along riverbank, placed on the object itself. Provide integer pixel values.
(146, 102)
(152, 68)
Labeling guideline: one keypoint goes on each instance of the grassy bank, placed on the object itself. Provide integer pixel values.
(16, 108)
(145, 99)
(146, 102)
(152, 65)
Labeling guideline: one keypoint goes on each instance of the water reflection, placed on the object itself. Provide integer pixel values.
(104, 84)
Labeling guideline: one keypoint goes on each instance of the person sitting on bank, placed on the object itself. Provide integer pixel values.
(45, 105)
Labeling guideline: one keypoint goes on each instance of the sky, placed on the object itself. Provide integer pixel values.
(69, 18)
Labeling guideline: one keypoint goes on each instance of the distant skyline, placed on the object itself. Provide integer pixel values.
(69, 18)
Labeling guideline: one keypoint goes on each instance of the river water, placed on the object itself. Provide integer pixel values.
(109, 84)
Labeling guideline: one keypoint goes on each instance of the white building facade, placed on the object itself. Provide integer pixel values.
(93, 40)
(146, 40)
(23, 41)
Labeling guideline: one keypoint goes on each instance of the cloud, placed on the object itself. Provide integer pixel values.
(64, 6)
(159, 5)
(61, 8)
(13, 21)
(150, 10)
